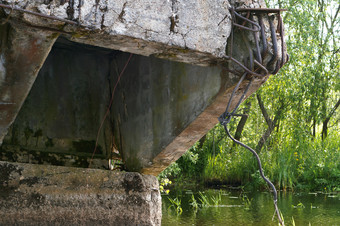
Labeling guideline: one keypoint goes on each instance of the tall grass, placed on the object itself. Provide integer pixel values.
(293, 163)
(292, 158)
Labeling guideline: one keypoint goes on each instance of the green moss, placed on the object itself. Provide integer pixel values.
(86, 146)
(183, 50)
(49, 143)
(77, 35)
(81, 162)
(168, 55)
(38, 133)
(6, 170)
(53, 36)
(43, 157)
(14, 135)
(132, 164)
(28, 132)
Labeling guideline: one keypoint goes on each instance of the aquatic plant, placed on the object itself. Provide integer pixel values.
(204, 200)
(214, 200)
(299, 206)
(193, 202)
(246, 201)
(176, 204)
(217, 200)
(293, 221)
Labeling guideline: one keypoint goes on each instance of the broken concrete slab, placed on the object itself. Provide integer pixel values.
(166, 116)
(191, 31)
(45, 195)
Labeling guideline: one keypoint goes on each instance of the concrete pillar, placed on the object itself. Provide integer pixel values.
(52, 195)
(23, 52)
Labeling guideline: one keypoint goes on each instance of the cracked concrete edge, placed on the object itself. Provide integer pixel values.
(192, 32)
(209, 117)
(41, 194)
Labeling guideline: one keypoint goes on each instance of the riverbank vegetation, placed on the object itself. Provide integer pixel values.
(293, 120)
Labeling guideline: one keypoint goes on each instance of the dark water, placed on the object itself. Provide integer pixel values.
(234, 209)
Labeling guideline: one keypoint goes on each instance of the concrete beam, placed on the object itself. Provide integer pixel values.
(199, 127)
(23, 52)
(161, 113)
(193, 32)
(45, 195)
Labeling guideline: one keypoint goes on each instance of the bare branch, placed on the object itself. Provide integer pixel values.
(263, 110)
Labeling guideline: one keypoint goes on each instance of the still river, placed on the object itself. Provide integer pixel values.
(239, 208)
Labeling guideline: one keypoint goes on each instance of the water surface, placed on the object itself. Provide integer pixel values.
(234, 209)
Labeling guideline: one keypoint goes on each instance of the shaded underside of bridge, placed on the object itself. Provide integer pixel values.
(167, 93)
(160, 108)
(133, 82)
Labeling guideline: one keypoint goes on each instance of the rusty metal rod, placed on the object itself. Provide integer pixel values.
(263, 37)
(277, 67)
(249, 21)
(260, 10)
(38, 14)
(274, 40)
(261, 66)
(258, 52)
(227, 116)
(232, 71)
(245, 28)
(243, 67)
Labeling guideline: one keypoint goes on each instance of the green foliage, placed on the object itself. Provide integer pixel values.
(171, 171)
(193, 202)
(216, 200)
(205, 202)
(162, 184)
(303, 152)
(246, 202)
(176, 205)
(299, 206)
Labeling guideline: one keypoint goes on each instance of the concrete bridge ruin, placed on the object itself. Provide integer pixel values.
(138, 81)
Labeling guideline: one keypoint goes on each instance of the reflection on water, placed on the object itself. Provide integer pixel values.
(234, 209)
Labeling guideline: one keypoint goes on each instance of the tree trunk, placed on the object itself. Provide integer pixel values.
(263, 109)
(325, 122)
(243, 121)
(201, 141)
(272, 124)
(314, 127)
(263, 140)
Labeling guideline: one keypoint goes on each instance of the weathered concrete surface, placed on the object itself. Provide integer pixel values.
(160, 108)
(64, 109)
(50, 195)
(17, 153)
(199, 127)
(188, 31)
(154, 101)
(23, 52)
